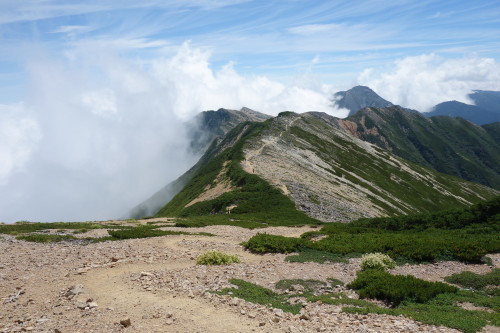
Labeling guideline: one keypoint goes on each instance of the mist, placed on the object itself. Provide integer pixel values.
(98, 133)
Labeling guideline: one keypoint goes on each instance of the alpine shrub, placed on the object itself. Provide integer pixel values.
(264, 243)
(395, 289)
(216, 258)
(376, 261)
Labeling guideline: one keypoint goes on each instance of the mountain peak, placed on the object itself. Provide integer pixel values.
(358, 98)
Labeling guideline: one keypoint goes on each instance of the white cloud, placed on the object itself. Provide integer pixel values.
(105, 133)
(71, 29)
(420, 82)
(19, 135)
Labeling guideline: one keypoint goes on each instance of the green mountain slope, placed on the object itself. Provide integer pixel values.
(450, 145)
(206, 127)
(264, 172)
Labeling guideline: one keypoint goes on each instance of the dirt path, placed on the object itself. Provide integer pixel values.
(155, 283)
(250, 154)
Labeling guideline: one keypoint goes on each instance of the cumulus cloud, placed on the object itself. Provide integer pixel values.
(98, 133)
(423, 81)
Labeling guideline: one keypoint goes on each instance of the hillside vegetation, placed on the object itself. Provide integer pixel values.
(461, 234)
(257, 202)
(453, 146)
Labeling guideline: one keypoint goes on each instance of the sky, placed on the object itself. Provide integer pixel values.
(94, 94)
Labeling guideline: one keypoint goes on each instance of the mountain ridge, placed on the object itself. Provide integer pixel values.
(325, 171)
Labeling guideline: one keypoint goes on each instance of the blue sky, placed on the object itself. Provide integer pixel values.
(94, 94)
(280, 39)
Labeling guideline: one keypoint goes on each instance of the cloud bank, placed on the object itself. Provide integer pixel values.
(97, 133)
(423, 81)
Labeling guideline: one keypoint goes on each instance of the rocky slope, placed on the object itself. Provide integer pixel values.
(326, 171)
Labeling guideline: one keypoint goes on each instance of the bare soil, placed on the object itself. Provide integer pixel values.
(154, 285)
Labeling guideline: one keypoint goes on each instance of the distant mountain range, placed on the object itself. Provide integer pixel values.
(486, 108)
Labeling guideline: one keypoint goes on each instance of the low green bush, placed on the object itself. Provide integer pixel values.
(216, 258)
(396, 289)
(264, 243)
(475, 281)
(376, 261)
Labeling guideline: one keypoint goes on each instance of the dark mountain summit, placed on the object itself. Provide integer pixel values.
(359, 97)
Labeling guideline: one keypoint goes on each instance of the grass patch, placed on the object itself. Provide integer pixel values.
(339, 299)
(310, 286)
(451, 316)
(146, 232)
(26, 227)
(321, 257)
(217, 258)
(256, 294)
(475, 281)
(335, 282)
(44, 238)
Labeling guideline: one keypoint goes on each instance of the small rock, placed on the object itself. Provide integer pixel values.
(304, 316)
(92, 305)
(252, 315)
(169, 321)
(262, 323)
(76, 290)
(169, 314)
(57, 331)
(126, 322)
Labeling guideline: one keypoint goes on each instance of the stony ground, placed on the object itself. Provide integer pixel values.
(154, 285)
